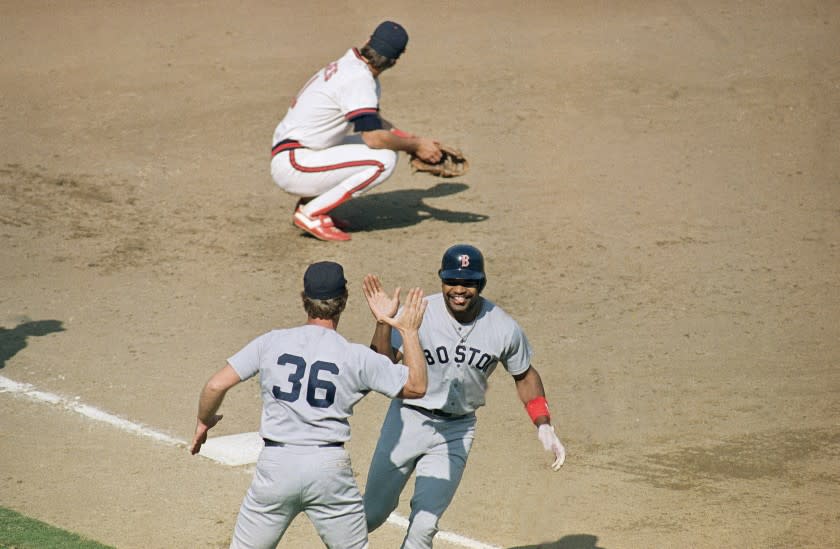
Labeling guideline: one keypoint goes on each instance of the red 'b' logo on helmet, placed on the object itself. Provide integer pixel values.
(465, 261)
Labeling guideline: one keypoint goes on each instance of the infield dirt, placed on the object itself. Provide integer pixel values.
(655, 186)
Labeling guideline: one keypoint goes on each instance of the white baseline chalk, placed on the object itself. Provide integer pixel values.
(241, 449)
(9, 386)
(455, 539)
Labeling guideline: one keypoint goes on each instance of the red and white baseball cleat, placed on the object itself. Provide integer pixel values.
(319, 226)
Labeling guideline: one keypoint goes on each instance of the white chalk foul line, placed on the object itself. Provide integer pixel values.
(9, 386)
(241, 449)
(455, 539)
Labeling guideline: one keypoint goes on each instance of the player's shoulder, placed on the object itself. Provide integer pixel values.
(353, 66)
(281, 332)
(351, 56)
(488, 306)
(271, 338)
(303, 332)
(358, 348)
(362, 356)
(493, 310)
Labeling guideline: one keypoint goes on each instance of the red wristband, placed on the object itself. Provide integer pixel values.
(537, 407)
(398, 132)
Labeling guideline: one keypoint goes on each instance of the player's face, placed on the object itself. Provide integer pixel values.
(461, 296)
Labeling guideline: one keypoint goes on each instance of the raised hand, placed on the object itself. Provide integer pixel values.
(381, 304)
(411, 316)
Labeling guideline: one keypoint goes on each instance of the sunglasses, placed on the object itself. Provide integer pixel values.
(464, 283)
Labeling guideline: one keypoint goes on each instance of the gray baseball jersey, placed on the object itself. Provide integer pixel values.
(432, 437)
(310, 378)
(461, 357)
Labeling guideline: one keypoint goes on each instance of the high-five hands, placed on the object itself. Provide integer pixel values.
(411, 316)
(384, 307)
(381, 304)
(551, 443)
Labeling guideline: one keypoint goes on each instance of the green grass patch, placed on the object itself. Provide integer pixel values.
(20, 532)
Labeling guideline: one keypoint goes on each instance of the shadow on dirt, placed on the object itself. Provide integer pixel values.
(403, 208)
(14, 340)
(574, 541)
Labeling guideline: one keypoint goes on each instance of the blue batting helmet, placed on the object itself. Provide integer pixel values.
(463, 262)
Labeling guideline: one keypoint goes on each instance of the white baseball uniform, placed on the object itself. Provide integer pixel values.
(434, 434)
(310, 379)
(314, 153)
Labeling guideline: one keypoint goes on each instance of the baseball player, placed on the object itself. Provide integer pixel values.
(333, 145)
(464, 337)
(310, 379)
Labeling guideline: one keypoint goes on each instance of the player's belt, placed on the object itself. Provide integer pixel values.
(285, 145)
(274, 443)
(436, 413)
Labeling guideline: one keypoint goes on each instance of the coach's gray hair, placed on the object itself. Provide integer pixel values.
(327, 309)
(376, 60)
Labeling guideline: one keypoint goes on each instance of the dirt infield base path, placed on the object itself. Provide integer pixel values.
(655, 185)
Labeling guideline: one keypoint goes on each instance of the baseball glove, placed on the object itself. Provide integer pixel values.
(452, 163)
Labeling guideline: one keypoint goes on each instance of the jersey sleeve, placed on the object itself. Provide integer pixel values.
(367, 122)
(382, 375)
(246, 362)
(517, 357)
(359, 97)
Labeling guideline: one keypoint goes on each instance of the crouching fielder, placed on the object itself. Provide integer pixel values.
(333, 145)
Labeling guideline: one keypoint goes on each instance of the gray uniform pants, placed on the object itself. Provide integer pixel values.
(292, 479)
(437, 448)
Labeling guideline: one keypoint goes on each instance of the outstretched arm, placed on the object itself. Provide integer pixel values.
(408, 323)
(531, 392)
(209, 402)
(382, 306)
(529, 386)
(426, 148)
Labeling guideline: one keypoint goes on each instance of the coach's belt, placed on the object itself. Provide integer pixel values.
(274, 443)
(436, 413)
(285, 145)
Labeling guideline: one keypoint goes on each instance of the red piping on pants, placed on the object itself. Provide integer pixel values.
(379, 169)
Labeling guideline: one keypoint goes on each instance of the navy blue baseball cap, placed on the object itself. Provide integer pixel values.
(324, 280)
(389, 39)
